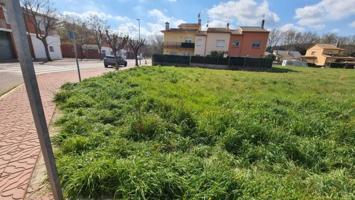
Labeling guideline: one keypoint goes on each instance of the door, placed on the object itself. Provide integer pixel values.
(5, 46)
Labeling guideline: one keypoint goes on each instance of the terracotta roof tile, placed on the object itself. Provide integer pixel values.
(252, 29)
(328, 46)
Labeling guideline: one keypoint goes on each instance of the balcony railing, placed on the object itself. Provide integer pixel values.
(187, 45)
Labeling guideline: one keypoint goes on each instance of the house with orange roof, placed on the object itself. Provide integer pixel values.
(326, 54)
(189, 39)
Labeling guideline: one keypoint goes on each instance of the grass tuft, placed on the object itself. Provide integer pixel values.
(189, 133)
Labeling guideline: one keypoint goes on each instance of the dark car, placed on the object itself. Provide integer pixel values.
(110, 61)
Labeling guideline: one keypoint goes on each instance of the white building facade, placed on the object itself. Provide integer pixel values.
(214, 39)
(53, 42)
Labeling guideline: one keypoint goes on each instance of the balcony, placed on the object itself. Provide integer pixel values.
(186, 45)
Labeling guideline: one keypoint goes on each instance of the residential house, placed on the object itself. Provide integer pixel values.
(287, 55)
(181, 40)
(189, 39)
(326, 54)
(214, 39)
(7, 47)
(248, 41)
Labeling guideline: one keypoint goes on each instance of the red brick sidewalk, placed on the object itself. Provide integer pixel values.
(19, 145)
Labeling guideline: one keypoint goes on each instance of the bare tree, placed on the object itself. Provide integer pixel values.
(42, 14)
(329, 38)
(135, 46)
(289, 38)
(116, 42)
(275, 37)
(98, 27)
(82, 33)
(66, 24)
(154, 45)
(157, 44)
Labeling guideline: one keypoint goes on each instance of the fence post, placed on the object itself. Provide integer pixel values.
(17, 22)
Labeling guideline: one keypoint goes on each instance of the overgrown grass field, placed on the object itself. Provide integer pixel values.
(190, 133)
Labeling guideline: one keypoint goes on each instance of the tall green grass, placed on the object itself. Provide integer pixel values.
(188, 133)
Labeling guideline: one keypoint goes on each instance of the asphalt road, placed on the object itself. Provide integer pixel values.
(11, 76)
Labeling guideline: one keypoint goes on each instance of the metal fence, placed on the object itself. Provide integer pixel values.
(209, 61)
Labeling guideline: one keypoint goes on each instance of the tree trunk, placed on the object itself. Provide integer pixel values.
(136, 56)
(45, 44)
(115, 55)
(100, 53)
(81, 52)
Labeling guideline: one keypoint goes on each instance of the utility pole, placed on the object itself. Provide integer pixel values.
(24, 55)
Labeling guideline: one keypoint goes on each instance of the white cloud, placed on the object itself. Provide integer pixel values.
(148, 28)
(334, 30)
(290, 26)
(101, 15)
(315, 16)
(245, 12)
(352, 24)
(152, 24)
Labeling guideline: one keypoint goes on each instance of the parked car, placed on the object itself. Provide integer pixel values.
(110, 61)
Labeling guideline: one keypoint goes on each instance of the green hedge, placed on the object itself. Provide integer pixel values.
(159, 59)
(341, 65)
(231, 62)
(209, 60)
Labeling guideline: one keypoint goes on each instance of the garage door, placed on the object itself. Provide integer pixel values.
(5, 46)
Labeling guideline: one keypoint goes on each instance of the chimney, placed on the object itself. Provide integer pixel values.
(263, 23)
(228, 25)
(167, 26)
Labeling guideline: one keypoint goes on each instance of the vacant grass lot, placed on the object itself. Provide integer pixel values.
(189, 133)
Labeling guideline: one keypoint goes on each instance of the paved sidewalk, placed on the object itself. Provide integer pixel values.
(19, 145)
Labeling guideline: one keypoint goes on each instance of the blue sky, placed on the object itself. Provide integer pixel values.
(320, 16)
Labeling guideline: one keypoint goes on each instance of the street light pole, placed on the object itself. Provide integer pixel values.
(24, 55)
(139, 29)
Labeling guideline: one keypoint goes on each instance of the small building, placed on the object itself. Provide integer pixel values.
(189, 39)
(281, 55)
(8, 49)
(326, 55)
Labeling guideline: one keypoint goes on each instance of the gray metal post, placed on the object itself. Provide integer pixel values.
(76, 59)
(29, 76)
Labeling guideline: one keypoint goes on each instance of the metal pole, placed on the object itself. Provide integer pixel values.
(29, 76)
(76, 59)
(139, 29)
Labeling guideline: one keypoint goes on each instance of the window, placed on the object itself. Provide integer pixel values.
(220, 43)
(188, 40)
(51, 49)
(313, 53)
(256, 44)
(199, 42)
(236, 43)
